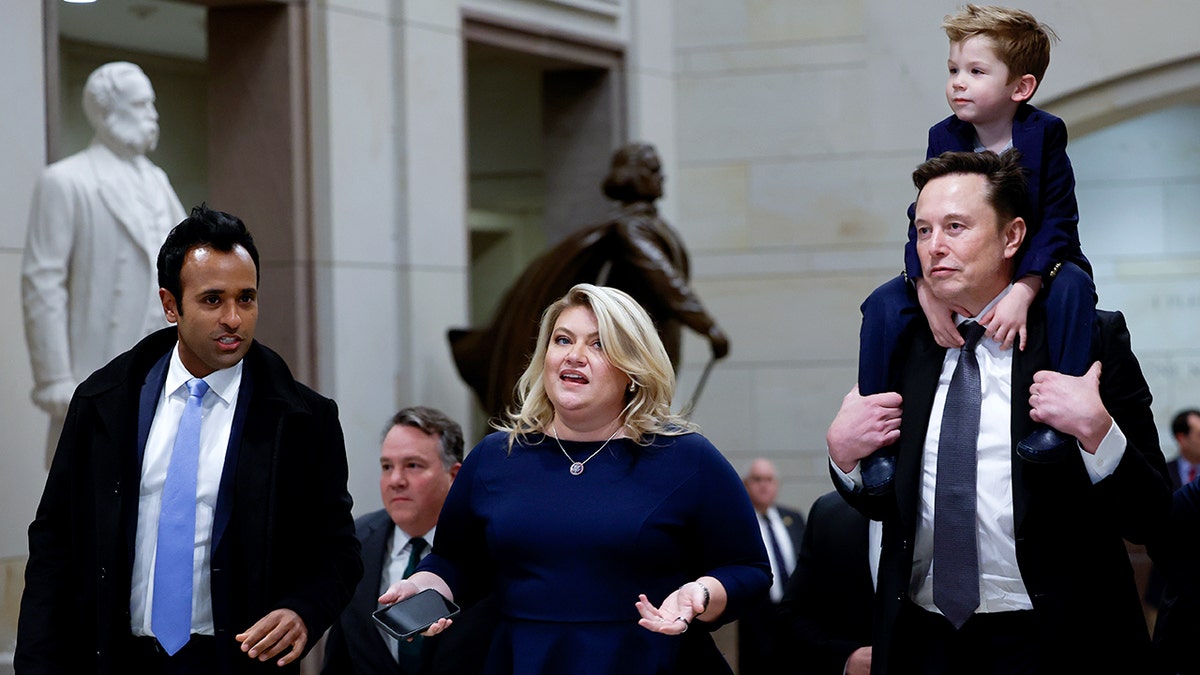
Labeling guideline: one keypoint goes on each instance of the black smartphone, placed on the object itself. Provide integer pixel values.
(414, 614)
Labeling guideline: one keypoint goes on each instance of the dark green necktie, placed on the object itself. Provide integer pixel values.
(408, 654)
(418, 545)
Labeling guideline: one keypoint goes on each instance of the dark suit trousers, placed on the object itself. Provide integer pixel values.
(1001, 643)
(146, 657)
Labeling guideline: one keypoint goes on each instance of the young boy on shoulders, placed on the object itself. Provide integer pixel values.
(997, 59)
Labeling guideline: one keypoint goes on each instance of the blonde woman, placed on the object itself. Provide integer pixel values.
(614, 536)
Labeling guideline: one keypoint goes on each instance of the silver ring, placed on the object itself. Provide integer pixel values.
(685, 623)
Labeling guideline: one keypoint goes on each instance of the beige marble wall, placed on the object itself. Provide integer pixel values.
(22, 469)
(390, 212)
(1139, 208)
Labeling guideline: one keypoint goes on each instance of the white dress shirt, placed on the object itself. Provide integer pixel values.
(399, 555)
(1184, 468)
(215, 426)
(399, 552)
(773, 520)
(1000, 585)
(874, 549)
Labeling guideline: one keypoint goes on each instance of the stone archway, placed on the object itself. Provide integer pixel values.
(1129, 95)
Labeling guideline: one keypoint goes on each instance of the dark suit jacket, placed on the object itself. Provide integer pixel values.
(826, 610)
(1173, 474)
(282, 536)
(1176, 554)
(1068, 531)
(758, 628)
(355, 644)
(1156, 584)
(1053, 215)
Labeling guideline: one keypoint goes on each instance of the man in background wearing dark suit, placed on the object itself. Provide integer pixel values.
(826, 608)
(196, 517)
(1181, 470)
(1186, 429)
(421, 453)
(782, 529)
(1176, 554)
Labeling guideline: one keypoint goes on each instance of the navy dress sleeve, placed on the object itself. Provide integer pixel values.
(729, 542)
(460, 555)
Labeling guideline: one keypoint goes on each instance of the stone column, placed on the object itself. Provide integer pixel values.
(389, 215)
(23, 134)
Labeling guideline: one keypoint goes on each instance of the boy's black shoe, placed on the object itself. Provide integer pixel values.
(879, 471)
(1044, 446)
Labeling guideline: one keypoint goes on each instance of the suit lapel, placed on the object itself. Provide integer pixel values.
(233, 452)
(148, 402)
(963, 135)
(375, 555)
(1025, 364)
(264, 405)
(148, 396)
(117, 468)
(921, 374)
(1029, 137)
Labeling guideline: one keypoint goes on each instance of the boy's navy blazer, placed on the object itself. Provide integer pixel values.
(1053, 216)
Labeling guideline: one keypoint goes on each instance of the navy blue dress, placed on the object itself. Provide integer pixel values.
(567, 556)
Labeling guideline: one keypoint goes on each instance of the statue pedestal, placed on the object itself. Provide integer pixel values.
(12, 583)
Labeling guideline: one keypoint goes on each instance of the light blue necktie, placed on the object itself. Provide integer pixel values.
(171, 616)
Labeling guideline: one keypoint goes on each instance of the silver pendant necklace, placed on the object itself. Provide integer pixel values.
(577, 467)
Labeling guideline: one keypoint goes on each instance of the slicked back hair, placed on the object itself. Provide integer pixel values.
(1005, 177)
(433, 422)
(203, 227)
(1181, 424)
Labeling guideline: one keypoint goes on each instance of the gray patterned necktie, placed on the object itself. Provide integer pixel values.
(955, 553)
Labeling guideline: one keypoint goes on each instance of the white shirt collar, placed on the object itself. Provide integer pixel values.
(224, 383)
(400, 539)
(959, 318)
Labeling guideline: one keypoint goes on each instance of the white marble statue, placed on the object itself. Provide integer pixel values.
(89, 288)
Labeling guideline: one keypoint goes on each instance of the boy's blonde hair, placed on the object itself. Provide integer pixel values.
(631, 344)
(1022, 43)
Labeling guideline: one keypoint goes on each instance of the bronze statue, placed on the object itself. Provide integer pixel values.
(634, 250)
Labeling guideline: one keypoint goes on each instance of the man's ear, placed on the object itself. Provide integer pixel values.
(1014, 235)
(1024, 88)
(170, 309)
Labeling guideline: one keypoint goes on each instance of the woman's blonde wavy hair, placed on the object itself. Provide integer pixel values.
(632, 345)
